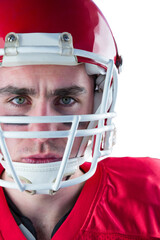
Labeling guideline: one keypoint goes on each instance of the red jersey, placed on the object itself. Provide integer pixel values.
(121, 201)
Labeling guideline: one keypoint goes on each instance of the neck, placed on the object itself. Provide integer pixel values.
(44, 210)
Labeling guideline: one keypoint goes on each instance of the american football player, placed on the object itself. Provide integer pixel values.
(59, 66)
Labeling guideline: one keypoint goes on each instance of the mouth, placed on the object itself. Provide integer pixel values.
(41, 158)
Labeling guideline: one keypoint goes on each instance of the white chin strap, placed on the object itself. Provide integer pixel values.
(41, 174)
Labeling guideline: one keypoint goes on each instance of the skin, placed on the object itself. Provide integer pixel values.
(44, 98)
(44, 91)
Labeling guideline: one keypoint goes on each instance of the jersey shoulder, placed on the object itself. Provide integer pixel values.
(138, 177)
(142, 166)
(127, 199)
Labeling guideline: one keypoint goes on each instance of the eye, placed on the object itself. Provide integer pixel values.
(18, 100)
(66, 100)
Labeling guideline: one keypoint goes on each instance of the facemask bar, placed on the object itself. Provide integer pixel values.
(62, 134)
(66, 153)
(71, 134)
(9, 162)
(98, 154)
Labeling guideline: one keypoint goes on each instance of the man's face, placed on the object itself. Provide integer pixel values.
(43, 91)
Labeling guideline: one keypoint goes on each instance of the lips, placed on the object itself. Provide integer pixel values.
(41, 158)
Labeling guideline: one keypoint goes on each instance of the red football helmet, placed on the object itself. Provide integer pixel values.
(60, 32)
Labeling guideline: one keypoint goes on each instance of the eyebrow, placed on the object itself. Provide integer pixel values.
(74, 91)
(18, 91)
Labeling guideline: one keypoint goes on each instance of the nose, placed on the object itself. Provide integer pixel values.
(42, 127)
(39, 127)
(41, 110)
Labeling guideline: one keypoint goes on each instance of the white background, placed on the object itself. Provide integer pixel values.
(136, 28)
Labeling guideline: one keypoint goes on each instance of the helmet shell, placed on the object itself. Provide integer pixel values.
(81, 18)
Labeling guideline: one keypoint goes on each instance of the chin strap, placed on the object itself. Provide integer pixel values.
(41, 173)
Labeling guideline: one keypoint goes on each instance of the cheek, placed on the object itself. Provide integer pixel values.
(13, 146)
(87, 107)
(90, 101)
(3, 110)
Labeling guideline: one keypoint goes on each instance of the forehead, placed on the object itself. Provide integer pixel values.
(44, 74)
